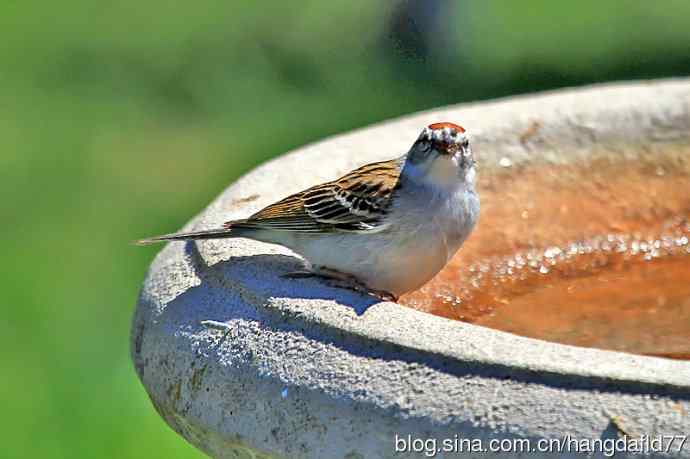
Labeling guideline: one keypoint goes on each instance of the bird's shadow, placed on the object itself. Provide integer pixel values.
(264, 276)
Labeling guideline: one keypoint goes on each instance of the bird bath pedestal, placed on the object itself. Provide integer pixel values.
(295, 368)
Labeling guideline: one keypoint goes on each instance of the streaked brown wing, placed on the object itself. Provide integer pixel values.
(288, 215)
(356, 202)
(361, 198)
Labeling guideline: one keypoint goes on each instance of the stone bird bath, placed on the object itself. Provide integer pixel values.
(295, 368)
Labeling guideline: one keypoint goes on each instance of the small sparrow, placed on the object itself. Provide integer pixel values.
(386, 228)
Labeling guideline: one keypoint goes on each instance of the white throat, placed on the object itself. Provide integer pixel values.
(442, 173)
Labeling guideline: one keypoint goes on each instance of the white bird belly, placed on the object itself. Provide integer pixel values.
(399, 259)
(382, 262)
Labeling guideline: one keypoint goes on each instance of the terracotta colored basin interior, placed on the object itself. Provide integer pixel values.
(594, 255)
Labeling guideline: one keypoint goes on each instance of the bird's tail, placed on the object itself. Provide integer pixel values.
(204, 234)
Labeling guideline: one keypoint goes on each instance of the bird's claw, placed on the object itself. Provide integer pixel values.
(341, 280)
(349, 282)
(383, 295)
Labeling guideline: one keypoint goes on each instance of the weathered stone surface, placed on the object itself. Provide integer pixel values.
(310, 371)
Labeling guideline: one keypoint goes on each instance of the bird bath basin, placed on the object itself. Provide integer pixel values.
(591, 254)
(581, 244)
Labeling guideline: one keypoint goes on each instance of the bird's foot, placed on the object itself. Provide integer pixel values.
(383, 295)
(341, 280)
(348, 281)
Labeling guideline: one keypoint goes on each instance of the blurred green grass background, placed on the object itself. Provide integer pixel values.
(121, 120)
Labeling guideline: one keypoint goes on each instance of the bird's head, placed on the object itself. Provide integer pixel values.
(441, 156)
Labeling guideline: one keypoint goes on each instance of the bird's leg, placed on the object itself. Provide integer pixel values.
(343, 280)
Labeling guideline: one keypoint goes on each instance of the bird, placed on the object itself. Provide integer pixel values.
(384, 229)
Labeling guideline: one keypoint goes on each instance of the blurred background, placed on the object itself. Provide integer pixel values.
(124, 119)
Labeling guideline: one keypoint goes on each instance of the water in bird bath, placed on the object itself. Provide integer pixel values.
(594, 255)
